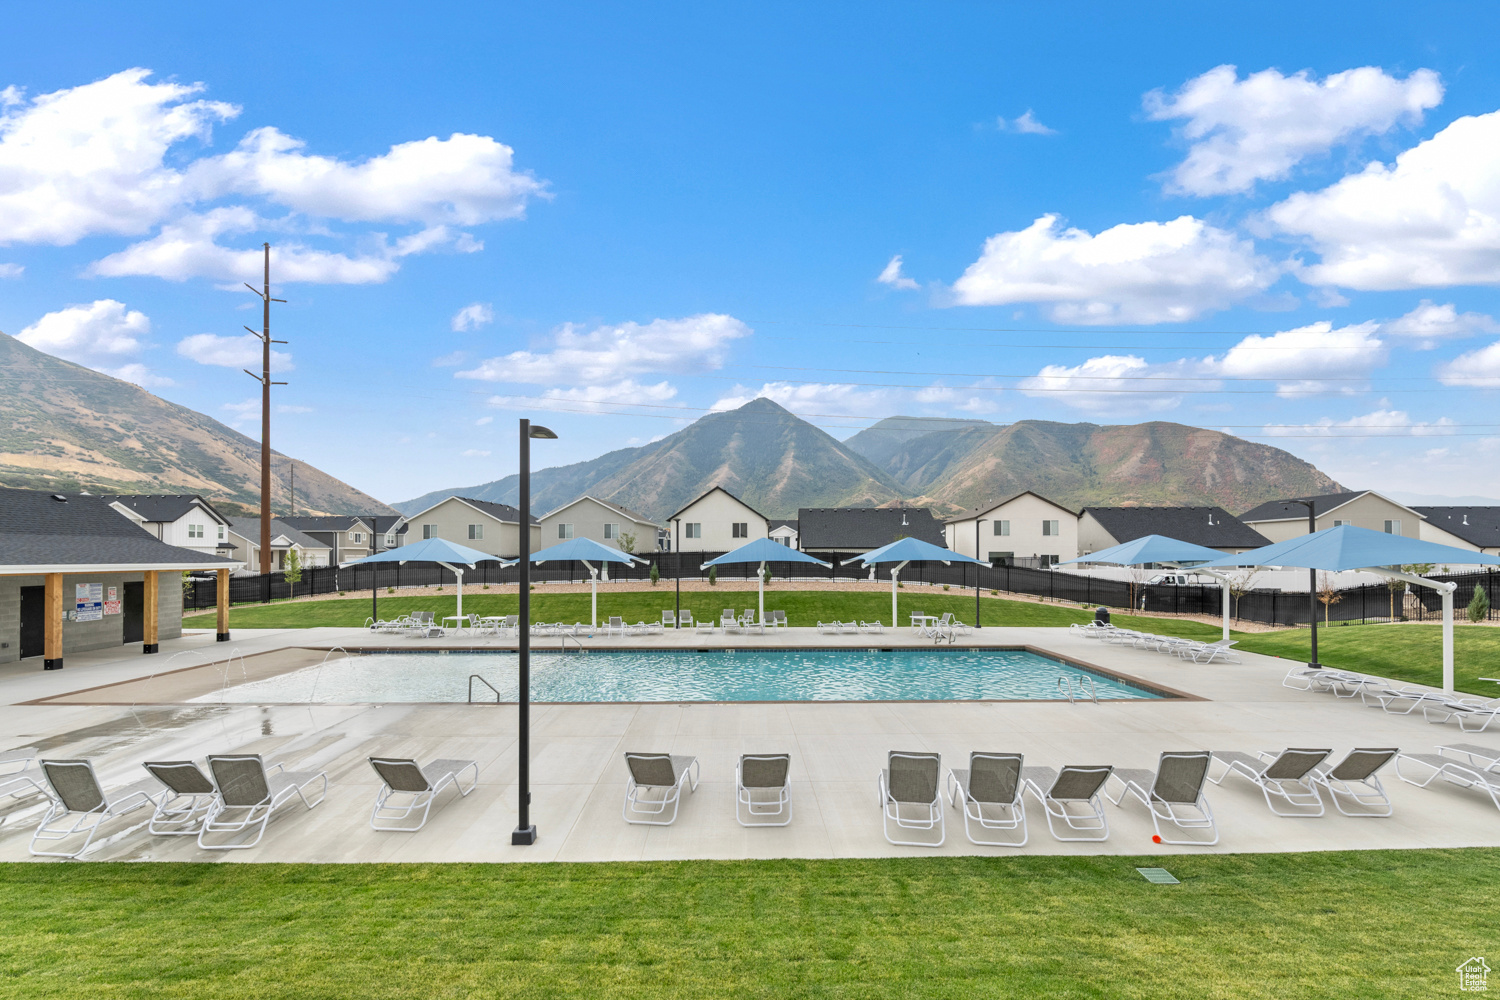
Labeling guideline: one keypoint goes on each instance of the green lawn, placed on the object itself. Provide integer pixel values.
(1354, 924)
(1406, 651)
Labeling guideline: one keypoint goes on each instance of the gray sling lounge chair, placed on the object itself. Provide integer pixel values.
(1287, 775)
(912, 780)
(1464, 764)
(186, 802)
(1071, 795)
(417, 786)
(762, 789)
(1354, 778)
(990, 793)
(249, 794)
(25, 780)
(656, 781)
(1174, 794)
(76, 789)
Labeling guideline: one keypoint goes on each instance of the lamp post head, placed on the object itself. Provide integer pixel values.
(538, 431)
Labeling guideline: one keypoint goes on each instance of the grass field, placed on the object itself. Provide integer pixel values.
(1408, 652)
(1357, 924)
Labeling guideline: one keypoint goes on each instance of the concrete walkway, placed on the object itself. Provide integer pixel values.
(578, 774)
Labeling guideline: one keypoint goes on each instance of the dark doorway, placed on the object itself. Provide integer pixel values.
(134, 609)
(33, 621)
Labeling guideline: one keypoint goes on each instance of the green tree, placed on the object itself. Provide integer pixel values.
(655, 574)
(713, 576)
(1479, 606)
(291, 571)
(627, 543)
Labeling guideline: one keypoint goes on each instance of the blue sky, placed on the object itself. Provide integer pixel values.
(614, 221)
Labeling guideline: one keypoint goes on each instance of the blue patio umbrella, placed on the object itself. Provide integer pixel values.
(1335, 550)
(588, 552)
(762, 551)
(1161, 549)
(449, 555)
(906, 550)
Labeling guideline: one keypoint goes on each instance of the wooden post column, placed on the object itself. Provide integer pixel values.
(221, 593)
(151, 612)
(52, 646)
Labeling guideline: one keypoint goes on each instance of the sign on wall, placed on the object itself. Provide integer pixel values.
(89, 598)
(112, 601)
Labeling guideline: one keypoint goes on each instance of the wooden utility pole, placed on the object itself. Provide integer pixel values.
(264, 378)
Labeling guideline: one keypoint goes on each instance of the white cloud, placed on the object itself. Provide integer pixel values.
(475, 453)
(1431, 220)
(108, 158)
(243, 412)
(626, 394)
(1429, 323)
(607, 353)
(1147, 272)
(1259, 128)
(1475, 370)
(892, 275)
(11, 270)
(1115, 383)
(244, 351)
(1026, 125)
(484, 420)
(1382, 422)
(1303, 360)
(87, 334)
(836, 399)
(473, 316)
(138, 373)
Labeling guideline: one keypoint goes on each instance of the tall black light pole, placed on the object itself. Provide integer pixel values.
(1312, 582)
(525, 831)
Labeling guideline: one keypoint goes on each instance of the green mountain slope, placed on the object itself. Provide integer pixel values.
(66, 427)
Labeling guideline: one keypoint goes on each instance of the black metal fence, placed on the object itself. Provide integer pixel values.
(1271, 607)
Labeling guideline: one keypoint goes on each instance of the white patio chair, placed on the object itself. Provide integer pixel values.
(1173, 793)
(763, 789)
(75, 790)
(910, 781)
(27, 779)
(1287, 776)
(1354, 778)
(990, 794)
(248, 793)
(1072, 796)
(413, 787)
(655, 783)
(186, 802)
(668, 620)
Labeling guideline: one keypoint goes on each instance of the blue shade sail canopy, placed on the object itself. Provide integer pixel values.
(583, 550)
(1150, 549)
(906, 550)
(762, 550)
(1346, 547)
(433, 550)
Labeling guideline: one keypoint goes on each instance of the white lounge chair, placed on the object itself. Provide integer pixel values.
(1174, 793)
(1473, 716)
(705, 627)
(910, 781)
(877, 627)
(615, 626)
(990, 793)
(728, 622)
(1072, 796)
(75, 791)
(414, 787)
(186, 802)
(1287, 775)
(1390, 699)
(248, 794)
(1207, 652)
(763, 789)
(655, 782)
(25, 780)
(1354, 778)
(1462, 764)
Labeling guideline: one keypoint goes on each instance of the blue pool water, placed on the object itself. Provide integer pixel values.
(685, 675)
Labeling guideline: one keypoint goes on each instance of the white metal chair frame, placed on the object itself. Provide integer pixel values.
(637, 801)
(1473, 773)
(1012, 813)
(388, 818)
(890, 807)
(180, 813)
(1091, 824)
(1196, 815)
(745, 798)
(1299, 790)
(99, 806)
(281, 785)
(1366, 791)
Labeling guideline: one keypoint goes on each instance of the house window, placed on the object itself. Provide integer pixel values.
(692, 530)
(390, 539)
(1002, 528)
(739, 529)
(1340, 524)
(476, 532)
(1050, 528)
(1393, 527)
(356, 537)
(221, 533)
(1043, 562)
(1001, 558)
(611, 531)
(784, 541)
(429, 531)
(195, 531)
(564, 531)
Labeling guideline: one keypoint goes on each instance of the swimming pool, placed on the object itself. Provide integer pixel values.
(654, 675)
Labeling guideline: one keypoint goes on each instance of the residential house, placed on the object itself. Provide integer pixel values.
(1476, 528)
(601, 520)
(1213, 527)
(347, 536)
(75, 575)
(839, 532)
(480, 524)
(245, 533)
(1280, 520)
(1023, 530)
(717, 521)
(784, 532)
(185, 520)
(390, 530)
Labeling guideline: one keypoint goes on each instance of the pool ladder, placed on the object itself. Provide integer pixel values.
(1066, 685)
(476, 677)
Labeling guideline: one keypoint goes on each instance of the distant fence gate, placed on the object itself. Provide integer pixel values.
(1270, 607)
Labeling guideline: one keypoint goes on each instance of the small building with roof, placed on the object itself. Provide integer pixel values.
(1026, 529)
(837, 532)
(245, 533)
(186, 520)
(604, 521)
(716, 521)
(784, 532)
(1280, 520)
(480, 524)
(1476, 528)
(1214, 527)
(347, 536)
(75, 575)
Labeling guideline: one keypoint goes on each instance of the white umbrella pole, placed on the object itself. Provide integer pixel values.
(1224, 586)
(458, 576)
(593, 595)
(760, 585)
(1448, 638)
(895, 573)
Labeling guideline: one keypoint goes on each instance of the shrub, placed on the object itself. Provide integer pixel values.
(655, 574)
(994, 593)
(341, 593)
(713, 576)
(1479, 606)
(945, 586)
(390, 590)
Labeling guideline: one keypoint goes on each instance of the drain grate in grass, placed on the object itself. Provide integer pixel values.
(1157, 876)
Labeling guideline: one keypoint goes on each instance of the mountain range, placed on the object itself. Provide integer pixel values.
(65, 427)
(777, 462)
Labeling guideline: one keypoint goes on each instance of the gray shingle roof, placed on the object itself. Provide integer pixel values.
(860, 529)
(165, 507)
(325, 522)
(1214, 527)
(248, 528)
(1475, 525)
(499, 511)
(1285, 510)
(38, 530)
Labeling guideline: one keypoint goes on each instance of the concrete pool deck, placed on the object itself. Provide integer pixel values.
(578, 773)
